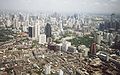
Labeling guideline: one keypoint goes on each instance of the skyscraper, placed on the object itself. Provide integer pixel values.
(37, 29)
(112, 20)
(61, 27)
(93, 49)
(98, 37)
(48, 30)
(31, 31)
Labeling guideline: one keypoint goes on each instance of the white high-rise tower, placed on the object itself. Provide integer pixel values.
(61, 27)
(37, 29)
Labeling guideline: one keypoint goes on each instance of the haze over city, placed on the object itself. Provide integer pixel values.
(89, 6)
(59, 37)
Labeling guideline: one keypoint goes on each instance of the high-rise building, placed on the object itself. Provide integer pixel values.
(42, 39)
(37, 29)
(98, 37)
(117, 39)
(31, 31)
(15, 21)
(61, 27)
(108, 37)
(112, 20)
(34, 30)
(48, 30)
(93, 49)
(8, 23)
(24, 28)
(111, 39)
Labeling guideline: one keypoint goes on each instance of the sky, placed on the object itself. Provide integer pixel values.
(89, 6)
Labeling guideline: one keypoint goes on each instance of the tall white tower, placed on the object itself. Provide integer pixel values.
(61, 27)
(98, 41)
(37, 29)
(8, 23)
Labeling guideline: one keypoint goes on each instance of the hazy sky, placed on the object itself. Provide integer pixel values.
(92, 6)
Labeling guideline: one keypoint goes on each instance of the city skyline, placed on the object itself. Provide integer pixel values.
(63, 6)
(59, 37)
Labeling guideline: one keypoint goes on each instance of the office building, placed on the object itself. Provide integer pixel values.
(61, 27)
(25, 28)
(37, 29)
(8, 23)
(98, 37)
(42, 39)
(31, 31)
(111, 38)
(48, 30)
(93, 49)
